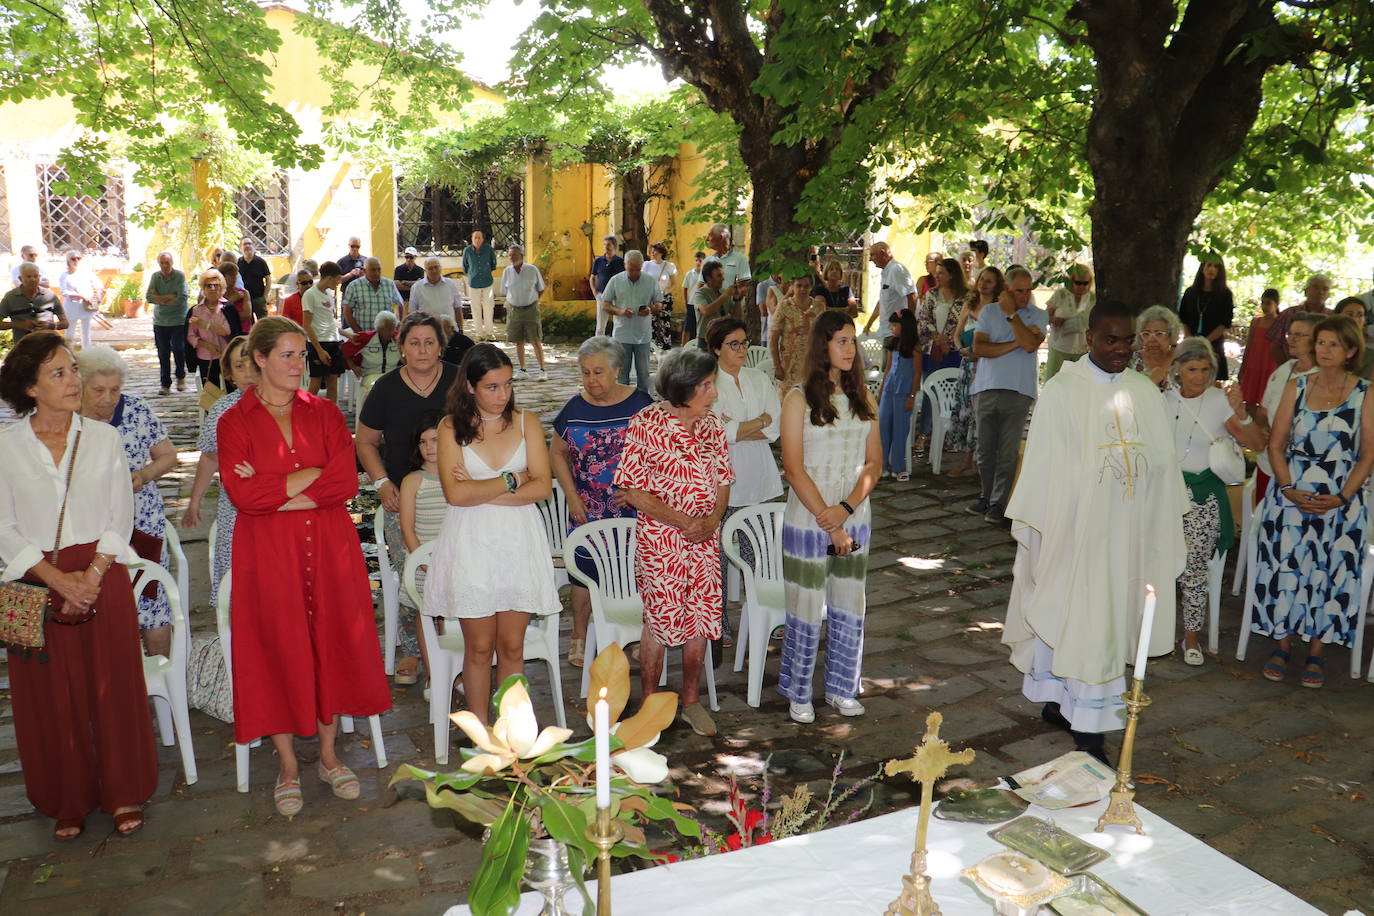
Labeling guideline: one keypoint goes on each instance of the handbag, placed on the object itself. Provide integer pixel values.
(24, 606)
(150, 549)
(1224, 456)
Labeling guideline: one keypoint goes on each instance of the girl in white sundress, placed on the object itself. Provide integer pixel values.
(491, 567)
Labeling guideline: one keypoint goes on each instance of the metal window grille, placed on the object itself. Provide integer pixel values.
(92, 225)
(264, 215)
(6, 240)
(435, 222)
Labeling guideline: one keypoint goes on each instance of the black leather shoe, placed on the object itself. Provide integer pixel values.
(1051, 714)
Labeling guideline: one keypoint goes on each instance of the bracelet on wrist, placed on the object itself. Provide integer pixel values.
(381, 480)
(512, 482)
(847, 507)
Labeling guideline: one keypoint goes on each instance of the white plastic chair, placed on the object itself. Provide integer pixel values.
(759, 358)
(445, 655)
(942, 388)
(391, 593)
(223, 623)
(1247, 518)
(764, 605)
(554, 513)
(165, 676)
(177, 557)
(617, 608)
(871, 349)
(212, 536)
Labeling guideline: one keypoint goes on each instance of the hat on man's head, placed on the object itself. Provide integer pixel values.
(411, 252)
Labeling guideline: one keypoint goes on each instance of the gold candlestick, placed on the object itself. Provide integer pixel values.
(605, 833)
(1121, 804)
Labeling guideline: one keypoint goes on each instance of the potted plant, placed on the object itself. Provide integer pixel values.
(535, 792)
(129, 298)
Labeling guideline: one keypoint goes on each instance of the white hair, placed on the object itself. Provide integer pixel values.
(1191, 350)
(1163, 314)
(634, 256)
(434, 261)
(1318, 277)
(719, 229)
(368, 262)
(99, 360)
(602, 346)
(28, 267)
(384, 317)
(516, 248)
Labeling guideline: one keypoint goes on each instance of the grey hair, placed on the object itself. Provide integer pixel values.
(434, 261)
(161, 253)
(681, 371)
(1160, 313)
(1190, 350)
(719, 229)
(384, 317)
(1015, 272)
(1315, 277)
(98, 360)
(634, 256)
(516, 248)
(602, 346)
(368, 262)
(28, 267)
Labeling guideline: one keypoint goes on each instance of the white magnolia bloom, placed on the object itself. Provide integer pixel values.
(515, 736)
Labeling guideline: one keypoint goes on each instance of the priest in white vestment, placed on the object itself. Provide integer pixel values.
(1097, 515)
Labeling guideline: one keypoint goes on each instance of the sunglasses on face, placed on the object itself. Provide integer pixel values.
(1081, 282)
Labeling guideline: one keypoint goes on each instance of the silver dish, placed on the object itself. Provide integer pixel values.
(1091, 896)
(1052, 846)
(981, 806)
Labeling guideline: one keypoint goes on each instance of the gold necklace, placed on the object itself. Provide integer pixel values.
(279, 408)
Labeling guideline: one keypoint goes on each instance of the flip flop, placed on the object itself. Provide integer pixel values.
(1275, 670)
(577, 652)
(407, 671)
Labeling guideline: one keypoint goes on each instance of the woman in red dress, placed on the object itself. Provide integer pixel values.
(304, 635)
(1258, 363)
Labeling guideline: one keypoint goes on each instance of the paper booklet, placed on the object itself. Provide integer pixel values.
(1076, 778)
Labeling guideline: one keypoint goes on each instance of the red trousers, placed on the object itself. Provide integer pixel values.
(81, 717)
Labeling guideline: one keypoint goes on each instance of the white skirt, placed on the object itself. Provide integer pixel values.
(489, 559)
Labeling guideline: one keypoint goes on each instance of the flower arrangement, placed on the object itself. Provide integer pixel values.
(523, 783)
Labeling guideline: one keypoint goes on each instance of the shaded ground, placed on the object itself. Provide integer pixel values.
(1270, 774)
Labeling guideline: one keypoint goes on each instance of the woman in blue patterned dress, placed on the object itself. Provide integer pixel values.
(963, 428)
(588, 435)
(1312, 520)
(150, 454)
(238, 368)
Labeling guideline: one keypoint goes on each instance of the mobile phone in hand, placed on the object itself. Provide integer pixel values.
(830, 549)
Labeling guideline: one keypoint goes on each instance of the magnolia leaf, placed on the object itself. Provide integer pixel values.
(578, 862)
(661, 809)
(634, 803)
(562, 749)
(566, 823)
(656, 714)
(634, 835)
(406, 771)
(484, 811)
(495, 890)
(610, 670)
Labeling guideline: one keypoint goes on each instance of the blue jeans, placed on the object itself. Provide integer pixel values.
(639, 353)
(171, 344)
(894, 419)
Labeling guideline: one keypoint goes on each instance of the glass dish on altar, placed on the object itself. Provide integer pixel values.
(981, 806)
(1058, 849)
(1090, 896)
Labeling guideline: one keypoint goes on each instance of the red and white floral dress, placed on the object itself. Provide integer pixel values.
(678, 580)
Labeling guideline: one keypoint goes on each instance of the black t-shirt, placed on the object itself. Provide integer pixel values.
(458, 344)
(839, 299)
(411, 273)
(254, 274)
(604, 268)
(1202, 312)
(347, 264)
(394, 410)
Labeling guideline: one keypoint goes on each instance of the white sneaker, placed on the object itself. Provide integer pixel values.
(543, 376)
(847, 706)
(522, 373)
(803, 713)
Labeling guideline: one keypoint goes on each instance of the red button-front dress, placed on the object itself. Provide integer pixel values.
(305, 644)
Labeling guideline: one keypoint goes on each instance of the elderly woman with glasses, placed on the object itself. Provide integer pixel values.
(588, 436)
(81, 295)
(1068, 309)
(675, 471)
(151, 455)
(211, 324)
(1201, 413)
(1157, 331)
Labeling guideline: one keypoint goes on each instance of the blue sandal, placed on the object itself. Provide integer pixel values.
(1314, 678)
(1275, 670)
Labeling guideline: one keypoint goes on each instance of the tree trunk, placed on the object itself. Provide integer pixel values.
(633, 196)
(779, 175)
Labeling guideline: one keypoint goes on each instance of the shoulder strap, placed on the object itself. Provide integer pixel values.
(1197, 415)
(62, 513)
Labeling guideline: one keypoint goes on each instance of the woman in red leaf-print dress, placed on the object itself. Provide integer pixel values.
(675, 470)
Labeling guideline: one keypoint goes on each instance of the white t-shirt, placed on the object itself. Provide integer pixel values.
(317, 307)
(690, 281)
(663, 272)
(1196, 421)
(895, 286)
(521, 287)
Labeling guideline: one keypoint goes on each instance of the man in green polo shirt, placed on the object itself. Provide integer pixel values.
(479, 262)
(168, 294)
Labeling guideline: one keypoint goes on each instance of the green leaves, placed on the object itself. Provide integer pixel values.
(495, 890)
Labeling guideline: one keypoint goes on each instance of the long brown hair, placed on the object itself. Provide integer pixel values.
(462, 405)
(972, 298)
(819, 389)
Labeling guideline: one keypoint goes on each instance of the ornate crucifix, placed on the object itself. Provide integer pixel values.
(1125, 446)
(931, 760)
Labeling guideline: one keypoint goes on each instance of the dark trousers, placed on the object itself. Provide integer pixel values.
(1001, 421)
(171, 345)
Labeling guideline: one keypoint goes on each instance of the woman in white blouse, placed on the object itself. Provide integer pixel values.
(748, 405)
(80, 707)
(1069, 308)
(664, 272)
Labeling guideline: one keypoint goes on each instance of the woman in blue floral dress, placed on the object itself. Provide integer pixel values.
(1312, 521)
(963, 428)
(588, 435)
(150, 454)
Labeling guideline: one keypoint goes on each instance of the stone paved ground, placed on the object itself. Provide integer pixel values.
(1270, 774)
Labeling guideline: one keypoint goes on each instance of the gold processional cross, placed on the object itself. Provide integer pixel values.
(931, 760)
(1125, 447)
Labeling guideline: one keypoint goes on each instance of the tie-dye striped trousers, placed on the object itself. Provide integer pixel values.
(819, 586)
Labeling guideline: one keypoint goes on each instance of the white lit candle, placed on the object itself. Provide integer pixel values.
(1147, 622)
(602, 719)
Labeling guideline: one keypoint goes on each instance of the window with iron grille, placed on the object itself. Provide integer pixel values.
(92, 225)
(434, 221)
(264, 215)
(6, 243)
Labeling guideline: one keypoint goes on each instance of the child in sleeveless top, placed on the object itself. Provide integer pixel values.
(422, 515)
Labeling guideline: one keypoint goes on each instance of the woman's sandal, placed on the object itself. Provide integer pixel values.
(342, 780)
(577, 651)
(407, 671)
(69, 823)
(1314, 678)
(1275, 670)
(123, 819)
(287, 797)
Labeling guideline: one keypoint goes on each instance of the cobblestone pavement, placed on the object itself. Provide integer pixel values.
(1270, 774)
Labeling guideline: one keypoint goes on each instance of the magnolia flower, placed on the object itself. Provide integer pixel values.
(515, 736)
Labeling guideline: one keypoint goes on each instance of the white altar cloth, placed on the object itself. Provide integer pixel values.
(856, 870)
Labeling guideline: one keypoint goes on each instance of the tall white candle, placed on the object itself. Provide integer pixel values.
(1147, 622)
(602, 719)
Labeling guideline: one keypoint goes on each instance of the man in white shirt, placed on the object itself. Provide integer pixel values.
(733, 264)
(521, 284)
(437, 295)
(322, 332)
(28, 255)
(896, 289)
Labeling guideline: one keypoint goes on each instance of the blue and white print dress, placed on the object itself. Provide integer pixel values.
(139, 430)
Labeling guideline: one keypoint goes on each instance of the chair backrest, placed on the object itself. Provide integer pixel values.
(871, 345)
(757, 356)
(379, 532)
(418, 557)
(554, 513)
(942, 386)
(761, 528)
(181, 632)
(611, 545)
(177, 557)
(212, 537)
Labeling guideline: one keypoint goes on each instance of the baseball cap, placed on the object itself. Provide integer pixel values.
(411, 251)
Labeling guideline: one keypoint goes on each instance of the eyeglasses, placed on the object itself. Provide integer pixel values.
(1299, 335)
(1161, 335)
(355, 246)
(736, 345)
(410, 257)
(1081, 282)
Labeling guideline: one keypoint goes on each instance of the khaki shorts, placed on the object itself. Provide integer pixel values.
(522, 324)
